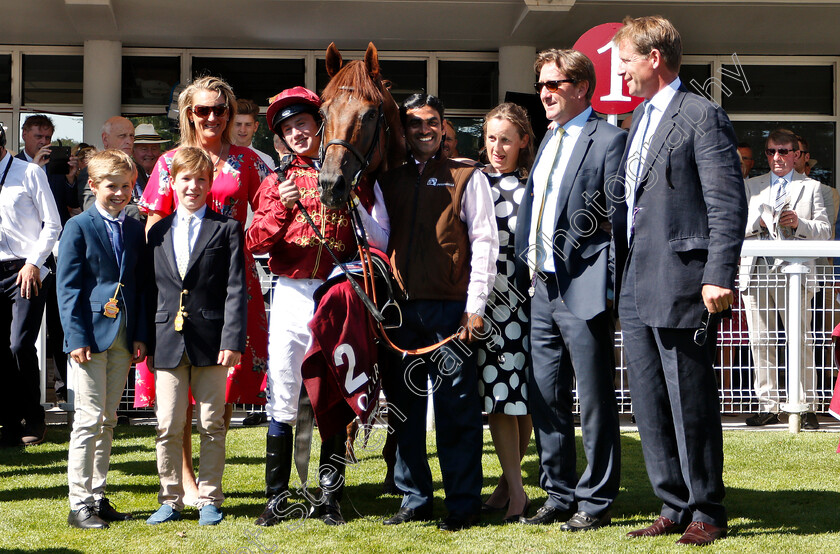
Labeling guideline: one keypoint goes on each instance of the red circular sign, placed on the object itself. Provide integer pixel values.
(611, 95)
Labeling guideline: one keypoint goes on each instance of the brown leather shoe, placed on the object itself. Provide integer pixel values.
(662, 526)
(701, 534)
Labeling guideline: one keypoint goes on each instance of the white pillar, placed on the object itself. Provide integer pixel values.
(102, 86)
(516, 69)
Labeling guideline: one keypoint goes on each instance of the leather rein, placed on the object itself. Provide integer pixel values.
(377, 320)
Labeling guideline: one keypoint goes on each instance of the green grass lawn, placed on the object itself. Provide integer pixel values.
(783, 495)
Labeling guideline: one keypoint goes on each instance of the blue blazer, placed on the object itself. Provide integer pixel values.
(581, 245)
(87, 277)
(692, 212)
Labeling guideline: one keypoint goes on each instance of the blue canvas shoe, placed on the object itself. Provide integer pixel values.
(209, 515)
(164, 514)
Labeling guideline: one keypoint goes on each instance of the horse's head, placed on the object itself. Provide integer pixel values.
(354, 107)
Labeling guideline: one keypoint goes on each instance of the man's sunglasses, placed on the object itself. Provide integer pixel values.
(205, 111)
(781, 151)
(552, 86)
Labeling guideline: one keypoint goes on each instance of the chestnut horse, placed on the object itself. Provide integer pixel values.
(362, 133)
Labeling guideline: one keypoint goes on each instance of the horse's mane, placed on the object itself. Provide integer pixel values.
(353, 77)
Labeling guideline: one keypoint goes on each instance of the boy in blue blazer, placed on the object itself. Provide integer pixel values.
(200, 313)
(102, 306)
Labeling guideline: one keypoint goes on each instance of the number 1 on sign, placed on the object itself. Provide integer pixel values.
(616, 81)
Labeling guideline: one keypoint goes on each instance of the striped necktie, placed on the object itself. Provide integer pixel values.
(781, 195)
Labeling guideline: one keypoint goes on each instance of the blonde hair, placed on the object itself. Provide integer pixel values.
(185, 104)
(193, 160)
(109, 163)
(652, 32)
(518, 117)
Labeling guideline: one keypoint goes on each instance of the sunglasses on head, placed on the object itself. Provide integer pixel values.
(204, 111)
(781, 151)
(551, 86)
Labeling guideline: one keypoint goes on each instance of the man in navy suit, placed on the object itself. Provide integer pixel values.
(100, 284)
(678, 217)
(201, 309)
(562, 257)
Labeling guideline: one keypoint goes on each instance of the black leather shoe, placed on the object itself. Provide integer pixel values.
(515, 518)
(582, 521)
(86, 518)
(106, 511)
(546, 515)
(457, 521)
(762, 418)
(33, 434)
(810, 421)
(404, 515)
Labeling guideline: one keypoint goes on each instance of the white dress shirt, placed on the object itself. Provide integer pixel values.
(180, 229)
(29, 221)
(548, 176)
(637, 155)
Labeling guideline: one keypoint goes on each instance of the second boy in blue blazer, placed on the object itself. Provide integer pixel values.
(102, 307)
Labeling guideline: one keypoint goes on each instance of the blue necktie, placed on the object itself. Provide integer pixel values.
(116, 239)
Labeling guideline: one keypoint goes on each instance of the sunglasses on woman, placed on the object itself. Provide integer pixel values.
(204, 111)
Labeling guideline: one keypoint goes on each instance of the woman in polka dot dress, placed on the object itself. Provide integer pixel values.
(502, 359)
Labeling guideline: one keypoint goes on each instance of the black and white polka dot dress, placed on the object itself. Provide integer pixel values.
(502, 362)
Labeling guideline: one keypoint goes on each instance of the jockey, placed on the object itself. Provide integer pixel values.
(300, 263)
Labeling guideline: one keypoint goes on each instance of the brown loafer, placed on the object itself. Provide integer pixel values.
(662, 526)
(699, 533)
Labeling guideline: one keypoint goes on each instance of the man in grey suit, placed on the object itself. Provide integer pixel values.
(678, 224)
(798, 203)
(562, 256)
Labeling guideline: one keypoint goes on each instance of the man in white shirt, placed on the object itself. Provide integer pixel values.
(564, 266)
(444, 259)
(245, 125)
(29, 227)
(795, 200)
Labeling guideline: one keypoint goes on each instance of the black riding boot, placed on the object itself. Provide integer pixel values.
(278, 467)
(331, 477)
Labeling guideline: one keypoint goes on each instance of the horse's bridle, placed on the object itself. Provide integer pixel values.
(363, 160)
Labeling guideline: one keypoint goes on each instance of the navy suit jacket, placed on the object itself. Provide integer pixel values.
(215, 299)
(691, 212)
(87, 277)
(581, 246)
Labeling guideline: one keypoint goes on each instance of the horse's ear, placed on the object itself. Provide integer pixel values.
(333, 60)
(372, 60)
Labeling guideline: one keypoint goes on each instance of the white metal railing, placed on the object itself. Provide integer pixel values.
(734, 365)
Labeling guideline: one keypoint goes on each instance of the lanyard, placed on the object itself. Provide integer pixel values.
(8, 166)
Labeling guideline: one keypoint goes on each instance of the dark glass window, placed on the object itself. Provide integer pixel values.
(5, 78)
(699, 74)
(253, 78)
(52, 79)
(801, 89)
(406, 76)
(821, 137)
(468, 85)
(468, 132)
(149, 80)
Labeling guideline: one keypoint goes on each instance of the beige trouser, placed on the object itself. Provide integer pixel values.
(765, 302)
(173, 395)
(97, 386)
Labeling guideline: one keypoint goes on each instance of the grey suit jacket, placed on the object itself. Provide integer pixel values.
(805, 199)
(691, 212)
(581, 245)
